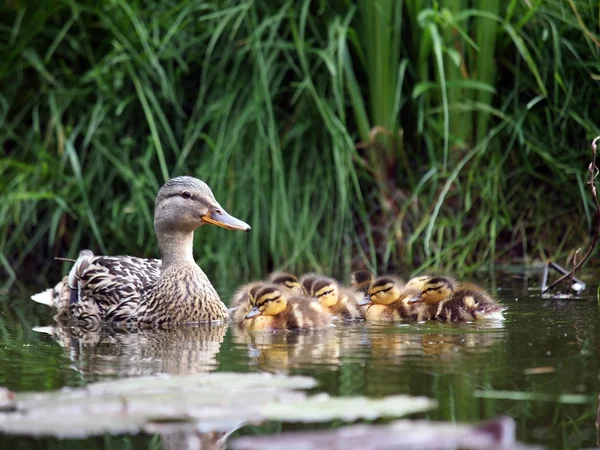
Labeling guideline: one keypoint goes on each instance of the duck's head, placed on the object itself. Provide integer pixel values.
(268, 301)
(362, 280)
(185, 203)
(288, 280)
(434, 290)
(326, 291)
(383, 291)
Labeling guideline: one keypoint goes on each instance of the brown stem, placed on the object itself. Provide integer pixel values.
(593, 169)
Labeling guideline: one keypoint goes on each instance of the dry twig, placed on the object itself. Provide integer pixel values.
(593, 170)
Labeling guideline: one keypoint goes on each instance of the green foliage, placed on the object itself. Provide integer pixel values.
(346, 133)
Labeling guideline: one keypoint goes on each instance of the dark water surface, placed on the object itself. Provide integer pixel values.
(541, 366)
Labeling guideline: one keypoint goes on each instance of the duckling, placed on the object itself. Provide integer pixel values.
(243, 300)
(307, 280)
(340, 302)
(287, 280)
(362, 280)
(273, 310)
(442, 299)
(387, 299)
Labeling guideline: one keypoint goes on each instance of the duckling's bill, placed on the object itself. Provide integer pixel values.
(416, 299)
(253, 312)
(366, 300)
(221, 218)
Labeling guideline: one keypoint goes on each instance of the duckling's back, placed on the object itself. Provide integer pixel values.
(347, 306)
(469, 303)
(302, 313)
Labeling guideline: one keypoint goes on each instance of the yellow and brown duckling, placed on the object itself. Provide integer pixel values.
(387, 299)
(443, 299)
(361, 280)
(243, 299)
(274, 310)
(307, 281)
(288, 281)
(340, 302)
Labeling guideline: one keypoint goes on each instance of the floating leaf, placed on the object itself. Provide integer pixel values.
(400, 435)
(209, 402)
(323, 408)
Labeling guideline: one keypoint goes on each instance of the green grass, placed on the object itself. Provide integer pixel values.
(375, 133)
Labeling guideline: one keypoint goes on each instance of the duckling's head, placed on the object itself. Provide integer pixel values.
(417, 282)
(252, 292)
(268, 301)
(383, 291)
(434, 290)
(361, 280)
(185, 203)
(325, 291)
(288, 280)
(307, 281)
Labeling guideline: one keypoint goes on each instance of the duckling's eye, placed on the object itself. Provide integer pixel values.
(384, 290)
(326, 293)
(186, 194)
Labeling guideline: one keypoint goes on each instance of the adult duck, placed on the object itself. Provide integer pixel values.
(131, 290)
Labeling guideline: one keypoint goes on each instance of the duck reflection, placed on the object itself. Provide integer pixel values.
(104, 352)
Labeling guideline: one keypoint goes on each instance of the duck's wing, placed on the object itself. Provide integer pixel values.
(99, 283)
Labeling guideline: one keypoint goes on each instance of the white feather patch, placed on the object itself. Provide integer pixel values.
(44, 297)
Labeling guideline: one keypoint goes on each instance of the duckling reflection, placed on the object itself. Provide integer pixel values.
(106, 352)
(388, 346)
(280, 352)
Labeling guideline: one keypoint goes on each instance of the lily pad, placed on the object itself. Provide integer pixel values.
(399, 435)
(216, 402)
(323, 408)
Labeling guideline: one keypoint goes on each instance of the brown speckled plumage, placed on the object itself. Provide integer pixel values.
(125, 289)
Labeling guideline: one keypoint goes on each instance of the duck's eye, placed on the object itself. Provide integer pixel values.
(186, 194)
(326, 293)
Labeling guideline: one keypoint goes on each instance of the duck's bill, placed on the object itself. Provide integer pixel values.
(253, 312)
(416, 299)
(365, 301)
(221, 218)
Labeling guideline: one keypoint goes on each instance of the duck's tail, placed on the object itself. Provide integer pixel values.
(60, 296)
(45, 297)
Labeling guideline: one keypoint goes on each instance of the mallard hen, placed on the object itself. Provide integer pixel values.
(126, 289)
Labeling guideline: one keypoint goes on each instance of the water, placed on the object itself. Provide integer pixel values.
(545, 349)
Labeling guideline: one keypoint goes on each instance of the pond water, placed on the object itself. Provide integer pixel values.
(541, 366)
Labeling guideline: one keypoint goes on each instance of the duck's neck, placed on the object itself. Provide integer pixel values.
(176, 248)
